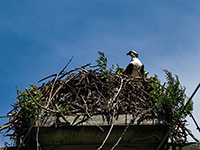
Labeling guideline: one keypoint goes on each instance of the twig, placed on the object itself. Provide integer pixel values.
(86, 110)
(163, 140)
(128, 126)
(62, 85)
(59, 73)
(108, 134)
(39, 104)
(5, 126)
(27, 133)
(37, 136)
(66, 65)
(192, 135)
(118, 90)
(51, 91)
(190, 99)
(195, 122)
(120, 137)
(4, 116)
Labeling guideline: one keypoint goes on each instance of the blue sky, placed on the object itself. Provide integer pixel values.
(39, 37)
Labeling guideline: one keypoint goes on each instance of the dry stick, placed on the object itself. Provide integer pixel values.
(10, 122)
(15, 108)
(62, 85)
(195, 121)
(112, 117)
(81, 79)
(163, 140)
(181, 114)
(59, 73)
(18, 112)
(85, 65)
(86, 110)
(47, 77)
(35, 118)
(66, 65)
(39, 104)
(37, 137)
(115, 96)
(61, 113)
(188, 103)
(55, 81)
(96, 101)
(51, 91)
(83, 69)
(27, 133)
(37, 134)
(144, 112)
(189, 99)
(74, 70)
(191, 135)
(120, 137)
(108, 132)
(118, 90)
(5, 126)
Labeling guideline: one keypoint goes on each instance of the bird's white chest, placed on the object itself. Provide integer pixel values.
(136, 62)
(136, 66)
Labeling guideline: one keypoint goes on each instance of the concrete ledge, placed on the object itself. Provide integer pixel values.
(145, 136)
(189, 146)
(81, 132)
(102, 120)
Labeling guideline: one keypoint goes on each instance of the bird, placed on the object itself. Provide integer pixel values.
(135, 67)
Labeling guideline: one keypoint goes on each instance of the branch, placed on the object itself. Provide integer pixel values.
(59, 73)
(192, 135)
(195, 121)
(108, 132)
(39, 104)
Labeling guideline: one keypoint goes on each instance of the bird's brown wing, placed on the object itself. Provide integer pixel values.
(129, 69)
(142, 70)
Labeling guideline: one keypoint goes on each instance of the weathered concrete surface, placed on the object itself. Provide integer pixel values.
(81, 132)
(136, 136)
(190, 146)
(101, 120)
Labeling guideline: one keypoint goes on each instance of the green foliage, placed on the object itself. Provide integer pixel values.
(29, 106)
(157, 92)
(145, 74)
(102, 62)
(171, 95)
(119, 70)
(64, 110)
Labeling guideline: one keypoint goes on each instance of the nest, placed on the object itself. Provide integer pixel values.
(90, 92)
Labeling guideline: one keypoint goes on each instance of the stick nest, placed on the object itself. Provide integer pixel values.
(89, 92)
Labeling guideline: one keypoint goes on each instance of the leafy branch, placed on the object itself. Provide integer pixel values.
(102, 63)
(171, 95)
(26, 102)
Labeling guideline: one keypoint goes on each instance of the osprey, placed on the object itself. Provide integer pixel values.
(135, 67)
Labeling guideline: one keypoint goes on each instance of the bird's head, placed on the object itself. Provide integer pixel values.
(133, 54)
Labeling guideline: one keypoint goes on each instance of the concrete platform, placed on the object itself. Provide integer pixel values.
(189, 146)
(81, 132)
(90, 137)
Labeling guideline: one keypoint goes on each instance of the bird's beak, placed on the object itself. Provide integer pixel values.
(128, 53)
